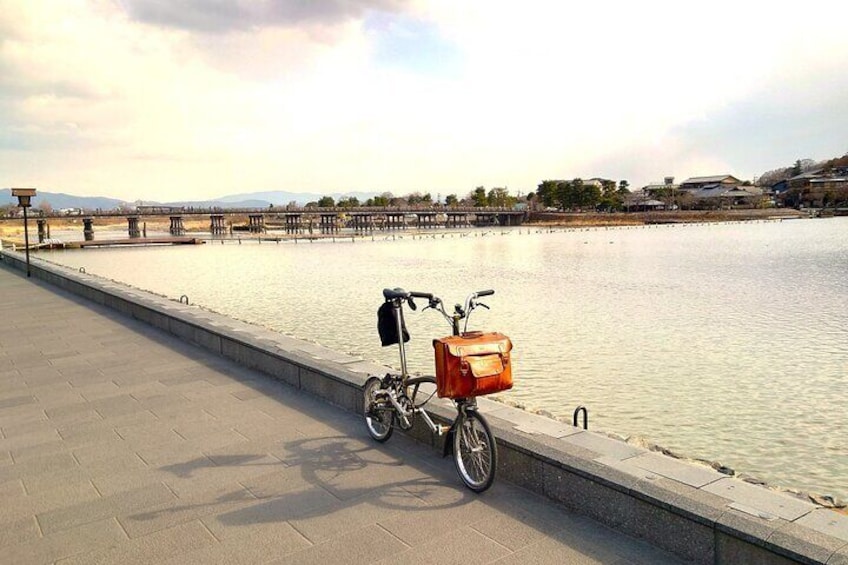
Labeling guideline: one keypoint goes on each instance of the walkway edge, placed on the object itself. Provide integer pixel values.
(692, 511)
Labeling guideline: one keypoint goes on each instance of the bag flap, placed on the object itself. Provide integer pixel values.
(485, 365)
(485, 344)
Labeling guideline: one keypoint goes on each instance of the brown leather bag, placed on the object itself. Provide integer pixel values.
(472, 364)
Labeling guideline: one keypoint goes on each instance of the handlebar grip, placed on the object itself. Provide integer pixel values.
(485, 293)
(427, 295)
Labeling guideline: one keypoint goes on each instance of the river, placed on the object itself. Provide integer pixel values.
(726, 342)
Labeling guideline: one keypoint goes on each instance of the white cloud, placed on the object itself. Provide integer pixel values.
(162, 100)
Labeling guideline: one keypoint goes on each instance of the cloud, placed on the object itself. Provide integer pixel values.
(204, 98)
(221, 16)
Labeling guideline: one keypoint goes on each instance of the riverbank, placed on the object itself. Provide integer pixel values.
(593, 219)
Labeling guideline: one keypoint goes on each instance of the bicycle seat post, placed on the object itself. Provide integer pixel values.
(397, 305)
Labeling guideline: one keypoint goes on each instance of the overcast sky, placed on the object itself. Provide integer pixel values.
(195, 99)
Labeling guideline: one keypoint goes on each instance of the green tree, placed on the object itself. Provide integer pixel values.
(548, 192)
(451, 200)
(610, 199)
(380, 201)
(326, 202)
(479, 197)
(498, 197)
(348, 202)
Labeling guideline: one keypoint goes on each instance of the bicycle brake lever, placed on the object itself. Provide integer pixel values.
(483, 305)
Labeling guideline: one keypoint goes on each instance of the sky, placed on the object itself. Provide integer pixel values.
(197, 99)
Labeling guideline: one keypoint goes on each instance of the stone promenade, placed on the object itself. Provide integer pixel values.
(121, 444)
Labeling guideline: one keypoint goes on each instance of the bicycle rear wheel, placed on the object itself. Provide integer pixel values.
(474, 451)
(379, 413)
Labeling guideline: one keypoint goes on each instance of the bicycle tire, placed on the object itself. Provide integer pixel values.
(379, 417)
(474, 451)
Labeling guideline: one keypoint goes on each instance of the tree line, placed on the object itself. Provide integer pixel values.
(576, 194)
(479, 197)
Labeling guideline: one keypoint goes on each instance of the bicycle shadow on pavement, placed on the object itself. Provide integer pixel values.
(340, 473)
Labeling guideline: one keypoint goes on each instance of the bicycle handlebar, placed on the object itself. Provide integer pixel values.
(460, 312)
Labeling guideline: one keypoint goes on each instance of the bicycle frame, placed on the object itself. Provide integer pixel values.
(462, 404)
(393, 399)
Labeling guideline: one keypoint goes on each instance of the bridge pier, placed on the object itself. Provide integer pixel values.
(132, 227)
(293, 224)
(483, 219)
(43, 230)
(425, 220)
(457, 220)
(363, 223)
(329, 223)
(177, 227)
(394, 221)
(216, 224)
(256, 223)
(88, 228)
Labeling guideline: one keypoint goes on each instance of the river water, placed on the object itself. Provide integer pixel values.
(726, 342)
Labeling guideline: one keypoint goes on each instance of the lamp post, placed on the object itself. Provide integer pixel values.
(24, 196)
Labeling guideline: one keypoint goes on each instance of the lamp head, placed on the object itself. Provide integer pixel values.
(24, 196)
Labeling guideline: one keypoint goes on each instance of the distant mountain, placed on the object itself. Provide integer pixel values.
(282, 198)
(60, 200)
(251, 203)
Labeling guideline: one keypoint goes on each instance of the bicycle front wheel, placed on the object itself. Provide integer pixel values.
(474, 451)
(379, 413)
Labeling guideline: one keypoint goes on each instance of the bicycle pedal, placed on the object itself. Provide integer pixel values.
(443, 429)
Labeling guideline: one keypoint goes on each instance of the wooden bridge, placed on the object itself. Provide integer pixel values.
(306, 220)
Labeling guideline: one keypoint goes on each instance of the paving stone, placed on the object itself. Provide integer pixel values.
(158, 546)
(460, 546)
(18, 531)
(202, 473)
(66, 544)
(366, 545)
(253, 544)
(759, 501)
(416, 528)
(186, 509)
(56, 496)
(295, 503)
(102, 508)
(826, 521)
(603, 446)
(84, 433)
(38, 465)
(154, 433)
(353, 514)
(98, 391)
(111, 457)
(17, 401)
(547, 427)
(22, 448)
(665, 466)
